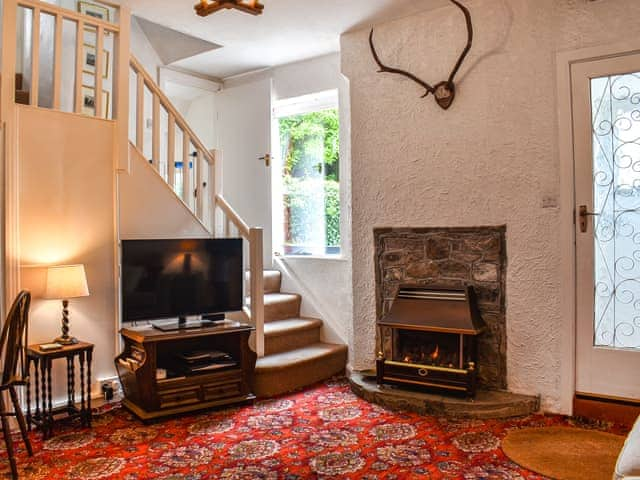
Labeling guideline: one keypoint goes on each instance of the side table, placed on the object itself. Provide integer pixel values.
(43, 414)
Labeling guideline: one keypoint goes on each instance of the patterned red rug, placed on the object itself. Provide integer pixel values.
(324, 432)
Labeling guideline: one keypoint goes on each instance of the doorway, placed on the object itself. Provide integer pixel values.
(606, 146)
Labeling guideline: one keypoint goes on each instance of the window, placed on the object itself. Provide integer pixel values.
(307, 198)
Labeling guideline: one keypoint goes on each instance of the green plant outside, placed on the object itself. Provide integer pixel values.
(311, 151)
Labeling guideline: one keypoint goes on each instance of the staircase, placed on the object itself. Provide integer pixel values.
(290, 353)
(294, 354)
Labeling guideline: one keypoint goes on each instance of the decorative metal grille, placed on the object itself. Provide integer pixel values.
(616, 178)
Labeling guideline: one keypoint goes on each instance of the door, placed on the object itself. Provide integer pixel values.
(244, 126)
(606, 116)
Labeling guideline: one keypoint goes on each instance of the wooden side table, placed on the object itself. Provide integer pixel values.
(43, 414)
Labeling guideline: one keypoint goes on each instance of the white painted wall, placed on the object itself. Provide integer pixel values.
(142, 49)
(325, 284)
(200, 114)
(489, 160)
(244, 120)
(67, 216)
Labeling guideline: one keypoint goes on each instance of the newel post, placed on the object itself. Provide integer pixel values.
(121, 91)
(257, 286)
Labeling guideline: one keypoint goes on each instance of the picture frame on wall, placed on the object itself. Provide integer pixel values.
(89, 61)
(89, 102)
(94, 10)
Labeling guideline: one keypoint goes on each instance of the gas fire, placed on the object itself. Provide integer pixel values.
(436, 353)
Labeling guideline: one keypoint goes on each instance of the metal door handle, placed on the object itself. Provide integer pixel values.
(584, 215)
(267, 159)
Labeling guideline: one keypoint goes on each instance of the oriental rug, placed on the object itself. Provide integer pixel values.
(324, 432)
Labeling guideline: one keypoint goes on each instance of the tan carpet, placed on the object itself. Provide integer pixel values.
(564, 453)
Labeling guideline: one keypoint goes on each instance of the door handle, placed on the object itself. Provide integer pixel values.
(267, 159)
(584, 214)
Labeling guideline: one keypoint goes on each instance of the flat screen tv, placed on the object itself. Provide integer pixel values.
(175, 279)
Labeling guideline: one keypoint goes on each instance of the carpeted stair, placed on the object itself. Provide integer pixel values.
(294, 355)
(22, 96)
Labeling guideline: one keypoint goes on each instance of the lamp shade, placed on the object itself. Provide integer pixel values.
(66, 281)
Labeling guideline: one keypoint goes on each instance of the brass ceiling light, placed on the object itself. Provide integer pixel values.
(207, 7)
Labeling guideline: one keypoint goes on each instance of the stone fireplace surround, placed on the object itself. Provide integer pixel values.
(449, 257)
(452, 258)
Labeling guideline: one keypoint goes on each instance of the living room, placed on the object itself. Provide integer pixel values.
(476, 156)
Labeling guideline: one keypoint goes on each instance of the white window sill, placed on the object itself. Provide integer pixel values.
(332, 258)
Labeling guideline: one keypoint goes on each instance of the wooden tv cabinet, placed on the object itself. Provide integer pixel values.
(150, 398)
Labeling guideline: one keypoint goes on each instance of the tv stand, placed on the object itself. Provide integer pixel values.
(150, 397)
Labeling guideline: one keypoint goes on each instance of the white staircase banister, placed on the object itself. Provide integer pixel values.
(255, 237)
(163, 100)
(230, 213)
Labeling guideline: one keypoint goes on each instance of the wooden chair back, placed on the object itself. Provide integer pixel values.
(13, 342)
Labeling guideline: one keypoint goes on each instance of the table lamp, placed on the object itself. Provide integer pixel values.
(65, 282)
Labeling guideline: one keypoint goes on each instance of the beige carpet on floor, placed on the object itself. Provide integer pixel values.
(564, 453)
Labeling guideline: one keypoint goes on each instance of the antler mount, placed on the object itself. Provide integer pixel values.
(445, 91)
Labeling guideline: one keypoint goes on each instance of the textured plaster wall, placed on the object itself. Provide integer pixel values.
(489, 160)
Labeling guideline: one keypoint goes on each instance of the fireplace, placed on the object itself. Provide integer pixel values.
(429, 339)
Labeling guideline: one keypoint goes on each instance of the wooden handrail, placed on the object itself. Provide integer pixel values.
(69, 15)
(230, 213)
(166, 103)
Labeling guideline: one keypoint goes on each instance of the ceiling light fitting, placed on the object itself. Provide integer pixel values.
(207, 7)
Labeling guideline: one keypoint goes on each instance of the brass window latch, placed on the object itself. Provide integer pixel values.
(584, 214)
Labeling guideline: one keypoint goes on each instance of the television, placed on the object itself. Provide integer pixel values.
(166, 281)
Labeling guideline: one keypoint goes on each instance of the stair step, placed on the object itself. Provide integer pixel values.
(280, 306)
(287, 371)
(272, 280)
(291, 334)
(22, 97)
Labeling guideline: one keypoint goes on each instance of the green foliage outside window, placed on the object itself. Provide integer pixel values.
(311, 150)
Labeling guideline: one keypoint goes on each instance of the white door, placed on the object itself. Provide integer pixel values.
(606, 116)
(244, 136)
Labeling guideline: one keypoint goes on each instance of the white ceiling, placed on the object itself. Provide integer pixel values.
(288, 31)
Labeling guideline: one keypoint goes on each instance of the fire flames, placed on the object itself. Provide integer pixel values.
(436, 353)
(432, 355)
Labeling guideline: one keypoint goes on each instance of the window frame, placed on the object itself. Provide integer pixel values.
(300, 105)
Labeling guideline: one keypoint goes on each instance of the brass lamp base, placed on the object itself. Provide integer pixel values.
(66, 341)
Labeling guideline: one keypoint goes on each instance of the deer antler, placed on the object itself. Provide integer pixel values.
(443, 91)
(385, 69)
(467, 48)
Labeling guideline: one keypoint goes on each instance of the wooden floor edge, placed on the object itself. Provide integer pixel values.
(623, 411)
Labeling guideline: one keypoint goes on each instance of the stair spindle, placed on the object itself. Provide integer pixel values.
(79, 63)
(187, 194)
(155, 135)
(35, 58)
(199, 185)
(139, 111)
(171, 154)
(57, 63)
(101, 108)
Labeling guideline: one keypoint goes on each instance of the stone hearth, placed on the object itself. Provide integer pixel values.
(486, 404)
